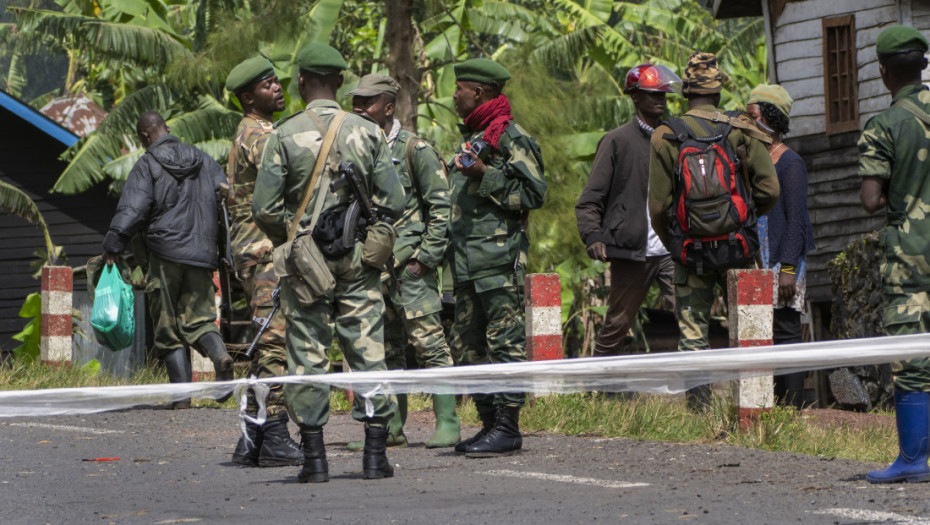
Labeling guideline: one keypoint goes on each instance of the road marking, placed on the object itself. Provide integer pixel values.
(68, 428)
(875, 516)
(566, 479)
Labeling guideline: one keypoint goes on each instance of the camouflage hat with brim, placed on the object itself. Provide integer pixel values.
(772, 94)
(375, 84)
(900, 39)
(321, 59)
(248, 71)
(482, 70)
(702, 76)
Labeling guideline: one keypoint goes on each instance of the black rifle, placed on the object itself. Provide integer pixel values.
(359, 205)
(265, 322)
(226, 269)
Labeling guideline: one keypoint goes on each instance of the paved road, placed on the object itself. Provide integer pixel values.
(175, 467)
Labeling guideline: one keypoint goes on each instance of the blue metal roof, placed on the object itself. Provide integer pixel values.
(37, 119)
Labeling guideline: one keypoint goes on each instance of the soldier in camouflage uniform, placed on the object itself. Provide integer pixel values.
(355, 307)
(256, 85)
(896, 177)
(412, 308)
(694, 293)
(497, 178)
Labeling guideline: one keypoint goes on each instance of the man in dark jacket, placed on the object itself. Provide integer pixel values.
(612, 217)
(171, 196)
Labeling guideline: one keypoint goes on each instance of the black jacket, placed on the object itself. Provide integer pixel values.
(171, 195)
(612, 207)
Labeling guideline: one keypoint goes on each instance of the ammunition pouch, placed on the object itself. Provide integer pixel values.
(379, 244)
(328, 233)
(300, 264)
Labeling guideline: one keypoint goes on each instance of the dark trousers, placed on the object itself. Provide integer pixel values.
(786, 329)
(629, 283)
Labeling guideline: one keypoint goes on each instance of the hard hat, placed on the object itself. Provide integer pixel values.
(648, 77)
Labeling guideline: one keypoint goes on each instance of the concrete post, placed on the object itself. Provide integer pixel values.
(543, 316)
(55, 342)
(750, 299)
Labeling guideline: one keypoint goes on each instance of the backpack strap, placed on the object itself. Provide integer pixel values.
(681, 130)
(914, 109)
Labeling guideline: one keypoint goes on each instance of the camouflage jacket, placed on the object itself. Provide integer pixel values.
(288, 161)
(894, 146)
(249, 244)
(486, 230)
(663, 164)
(422, 229)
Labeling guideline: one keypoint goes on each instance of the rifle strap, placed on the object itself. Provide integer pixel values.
(720, 116)
(408, 157)
(913, 109)
(331, 132)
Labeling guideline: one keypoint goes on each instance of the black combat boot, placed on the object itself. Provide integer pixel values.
(698, 398)
(488, 417)
(212, 344)
(247, 450)
(178, 364)
(375, 464)
(316, 468)
(502, 440)
(278, 449)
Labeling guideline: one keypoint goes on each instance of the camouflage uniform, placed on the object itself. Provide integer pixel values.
(413, 315)
(174, 293)
(356, 306)
(252, 256)
(894, 146)
(488, 255)
(694, 293)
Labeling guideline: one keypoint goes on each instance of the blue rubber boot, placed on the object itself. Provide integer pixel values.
(912, 414)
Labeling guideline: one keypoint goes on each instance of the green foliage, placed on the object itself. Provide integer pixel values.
(31, 334)
(15, 201)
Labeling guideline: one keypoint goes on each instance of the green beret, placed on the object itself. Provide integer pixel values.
(375, 84)
(320, 59)
(900, 39)
(772, 94)
(482, 70)
(248, 71)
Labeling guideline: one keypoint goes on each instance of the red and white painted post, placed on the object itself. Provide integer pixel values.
(750, 295)
(543, 316)
(57, 288)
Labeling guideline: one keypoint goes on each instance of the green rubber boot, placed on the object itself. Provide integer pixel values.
(448, 427)
(395, 428)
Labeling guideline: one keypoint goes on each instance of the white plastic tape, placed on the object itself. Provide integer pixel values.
(667, 373)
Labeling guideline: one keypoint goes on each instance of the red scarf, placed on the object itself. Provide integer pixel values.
(493, 117)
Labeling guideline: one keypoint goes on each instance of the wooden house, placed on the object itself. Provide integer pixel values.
(823, 53)
(30, 146)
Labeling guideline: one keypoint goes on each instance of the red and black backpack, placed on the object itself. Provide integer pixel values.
(712, 221)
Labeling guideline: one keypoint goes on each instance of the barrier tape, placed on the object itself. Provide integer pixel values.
(665, 373)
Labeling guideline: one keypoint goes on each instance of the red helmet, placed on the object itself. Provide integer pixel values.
(648, 77)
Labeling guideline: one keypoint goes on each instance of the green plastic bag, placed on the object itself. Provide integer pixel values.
(113, 316)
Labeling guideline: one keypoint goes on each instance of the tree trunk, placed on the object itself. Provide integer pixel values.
(399, 37)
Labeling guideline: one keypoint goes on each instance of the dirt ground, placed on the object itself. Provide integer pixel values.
(833, 417)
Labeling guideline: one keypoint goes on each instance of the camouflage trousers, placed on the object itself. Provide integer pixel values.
(694, 295)
(908, 313)
(490, 327)
(270, 358)
(412, 316)
(182, 302)
(356, 310)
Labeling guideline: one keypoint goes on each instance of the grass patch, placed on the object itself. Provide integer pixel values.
(635, 416)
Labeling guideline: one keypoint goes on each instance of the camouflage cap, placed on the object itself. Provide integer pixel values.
(772, 94)
(320, 59)
(702, 75)
(482, 70)
(247, 72)
(900, 39)
(375, 84)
